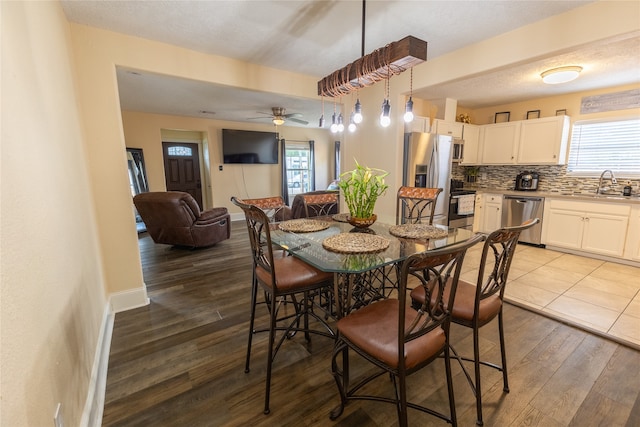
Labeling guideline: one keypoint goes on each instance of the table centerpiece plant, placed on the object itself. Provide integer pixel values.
(361, 188)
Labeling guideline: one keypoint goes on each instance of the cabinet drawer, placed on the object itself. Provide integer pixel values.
(595, 207)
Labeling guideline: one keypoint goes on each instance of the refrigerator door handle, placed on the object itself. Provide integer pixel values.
(433, 166)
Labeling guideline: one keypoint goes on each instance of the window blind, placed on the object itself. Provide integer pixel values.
(600, 145)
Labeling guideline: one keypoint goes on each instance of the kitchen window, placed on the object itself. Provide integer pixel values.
(597, 145)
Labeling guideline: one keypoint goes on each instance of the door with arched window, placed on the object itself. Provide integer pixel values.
(182, 168)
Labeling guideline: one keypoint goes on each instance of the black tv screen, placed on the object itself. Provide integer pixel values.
(246, 146)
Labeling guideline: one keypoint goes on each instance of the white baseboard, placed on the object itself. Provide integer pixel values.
(127, 300)
(120, 301)
(237, 216)
(94, 405)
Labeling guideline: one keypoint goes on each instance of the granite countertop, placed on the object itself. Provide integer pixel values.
(613, 198)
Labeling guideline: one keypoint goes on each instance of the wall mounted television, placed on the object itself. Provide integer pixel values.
(246, 146)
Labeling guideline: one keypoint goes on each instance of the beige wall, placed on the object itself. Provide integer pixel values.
(549, 105)
(52, 295)
(68, 234)
(246, 181)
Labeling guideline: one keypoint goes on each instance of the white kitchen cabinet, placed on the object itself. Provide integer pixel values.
(487, 216)
(453, 129)
(599, 228)
(499, 143)
(418, 124)
(632, 248)
(471, 136)
(543, 141)
(478, 213)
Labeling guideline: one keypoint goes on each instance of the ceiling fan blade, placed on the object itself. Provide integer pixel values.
(292, 115)
(302, 122)
(257, 118)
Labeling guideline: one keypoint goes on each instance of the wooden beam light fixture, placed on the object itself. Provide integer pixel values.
(391, 59)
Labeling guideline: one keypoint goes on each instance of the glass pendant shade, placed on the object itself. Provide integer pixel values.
(408, 115)
(385, 118)
(357, 116)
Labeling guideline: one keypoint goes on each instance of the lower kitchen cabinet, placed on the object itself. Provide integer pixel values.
(488, 213)
(632, 249)
(599, 228)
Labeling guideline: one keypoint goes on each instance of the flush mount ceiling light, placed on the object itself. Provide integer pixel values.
(561, 74)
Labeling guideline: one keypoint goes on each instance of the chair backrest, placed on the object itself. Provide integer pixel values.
(497, 255)
(416, 205)
(300, 209)
(321, 204)
(258, 225)
(274, 207)
(433, 270)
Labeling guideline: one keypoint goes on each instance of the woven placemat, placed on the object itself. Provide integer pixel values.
(341, 217)
(355, 243)
(418, 231)
(303, 225)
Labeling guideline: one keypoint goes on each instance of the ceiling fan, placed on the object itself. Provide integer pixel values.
(279, 116)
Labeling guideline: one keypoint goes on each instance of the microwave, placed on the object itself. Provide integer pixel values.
(457, 150)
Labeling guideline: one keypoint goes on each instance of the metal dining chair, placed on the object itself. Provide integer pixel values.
(400, 341)
(477, 304)
(416, 205)
(274, 207)
(285, 280)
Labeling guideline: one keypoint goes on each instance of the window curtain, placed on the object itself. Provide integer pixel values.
(283, 155)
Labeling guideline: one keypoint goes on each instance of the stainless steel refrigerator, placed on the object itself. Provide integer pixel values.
(427, 163)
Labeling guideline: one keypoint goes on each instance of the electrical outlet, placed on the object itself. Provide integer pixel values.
(57, 416)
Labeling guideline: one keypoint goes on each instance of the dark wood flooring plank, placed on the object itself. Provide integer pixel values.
(180, 361)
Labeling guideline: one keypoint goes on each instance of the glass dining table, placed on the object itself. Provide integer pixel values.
(360, 277)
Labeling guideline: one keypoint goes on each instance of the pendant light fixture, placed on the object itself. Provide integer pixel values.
(357, 113)
(321, 121)
(408, 111)
(385, 117)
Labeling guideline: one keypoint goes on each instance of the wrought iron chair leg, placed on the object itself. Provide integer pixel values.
(272, 331)
(340, 376)
(254, 294)
(476, 362)
(452, 402)
(503, 352)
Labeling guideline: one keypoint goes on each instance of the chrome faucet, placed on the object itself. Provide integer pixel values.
(600, 189)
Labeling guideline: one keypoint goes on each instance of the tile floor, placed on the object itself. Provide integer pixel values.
(599, 296)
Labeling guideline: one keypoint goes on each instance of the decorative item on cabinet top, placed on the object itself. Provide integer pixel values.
(502, 117)
(533, 114)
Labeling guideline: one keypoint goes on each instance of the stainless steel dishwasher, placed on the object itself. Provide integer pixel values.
(518, 209)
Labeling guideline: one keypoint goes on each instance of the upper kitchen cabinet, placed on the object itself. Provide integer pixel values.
(499, 143)
(471, 136)
(543, 141)
(453, 129)
(418, 124)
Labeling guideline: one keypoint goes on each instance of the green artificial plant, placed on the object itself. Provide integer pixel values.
(361, 188)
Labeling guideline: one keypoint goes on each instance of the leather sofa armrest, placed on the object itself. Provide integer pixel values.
(212, 215)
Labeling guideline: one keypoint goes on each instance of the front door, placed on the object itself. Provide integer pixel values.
(182, 168)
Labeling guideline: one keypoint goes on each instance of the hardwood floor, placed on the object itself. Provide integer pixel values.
(180, 361)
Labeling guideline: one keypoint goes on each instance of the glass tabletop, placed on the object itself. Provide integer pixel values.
(309, 247)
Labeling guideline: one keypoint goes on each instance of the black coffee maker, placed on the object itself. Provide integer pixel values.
(527, 181)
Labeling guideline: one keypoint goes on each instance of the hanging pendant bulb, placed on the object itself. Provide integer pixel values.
(385, 117)
(340, 123)
(321, 121)
(408, 115)
(334, 124)
(352, 124)
(357, 115)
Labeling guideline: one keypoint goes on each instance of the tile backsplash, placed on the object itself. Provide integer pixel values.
(552, 179)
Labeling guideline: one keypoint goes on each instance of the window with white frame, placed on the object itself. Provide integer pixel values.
(612, 144)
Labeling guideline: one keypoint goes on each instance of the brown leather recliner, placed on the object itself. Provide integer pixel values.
(174, 218)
